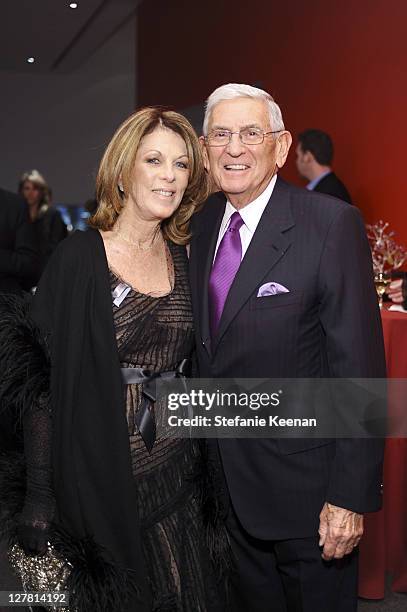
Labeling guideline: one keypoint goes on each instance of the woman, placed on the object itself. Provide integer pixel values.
(121, 506)
(48, 223)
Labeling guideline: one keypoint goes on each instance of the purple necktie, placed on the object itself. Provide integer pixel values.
(224, 270)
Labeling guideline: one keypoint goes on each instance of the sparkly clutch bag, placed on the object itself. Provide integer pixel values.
(48, 572)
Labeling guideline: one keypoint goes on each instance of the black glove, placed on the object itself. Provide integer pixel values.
(33, 540)
(33, 529)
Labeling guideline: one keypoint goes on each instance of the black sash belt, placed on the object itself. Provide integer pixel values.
(144, 419)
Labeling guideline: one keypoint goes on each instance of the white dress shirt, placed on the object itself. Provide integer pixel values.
(251, 215)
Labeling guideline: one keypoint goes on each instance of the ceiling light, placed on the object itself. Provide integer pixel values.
(30, 60)
(73, 5)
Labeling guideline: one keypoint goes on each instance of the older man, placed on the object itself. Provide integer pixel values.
(295, 511)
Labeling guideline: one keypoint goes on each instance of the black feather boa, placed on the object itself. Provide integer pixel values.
(94, 583)
(24, 358)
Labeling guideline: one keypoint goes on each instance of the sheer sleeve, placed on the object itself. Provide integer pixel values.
(37, 513)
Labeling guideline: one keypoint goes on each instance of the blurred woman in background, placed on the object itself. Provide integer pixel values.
(49, 226)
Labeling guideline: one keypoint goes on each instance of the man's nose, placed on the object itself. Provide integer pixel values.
(235, 146)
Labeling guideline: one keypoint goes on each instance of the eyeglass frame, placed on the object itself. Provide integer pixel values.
(250, 144)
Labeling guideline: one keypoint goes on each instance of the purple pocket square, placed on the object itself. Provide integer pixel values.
(271, 289)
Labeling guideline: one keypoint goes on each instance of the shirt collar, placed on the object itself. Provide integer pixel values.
(251, 213)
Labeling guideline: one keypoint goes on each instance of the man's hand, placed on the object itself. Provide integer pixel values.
(340, 531)
(395, 291)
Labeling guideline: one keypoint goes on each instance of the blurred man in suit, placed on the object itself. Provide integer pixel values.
(19, 263)
(314, 159)
(281, 282)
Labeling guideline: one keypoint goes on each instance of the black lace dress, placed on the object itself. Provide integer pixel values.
(156, 333)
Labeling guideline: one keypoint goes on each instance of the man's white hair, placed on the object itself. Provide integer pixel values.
(240, 90)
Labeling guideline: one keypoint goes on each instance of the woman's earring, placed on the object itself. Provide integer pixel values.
(121, 188)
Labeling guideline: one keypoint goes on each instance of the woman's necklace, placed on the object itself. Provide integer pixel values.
(137, 244)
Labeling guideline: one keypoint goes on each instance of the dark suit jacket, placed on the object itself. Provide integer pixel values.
(328, 325)
(333, 186)
(19, 264)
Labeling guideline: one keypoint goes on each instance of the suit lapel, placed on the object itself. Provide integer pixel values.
(206, 238)
(269, 243)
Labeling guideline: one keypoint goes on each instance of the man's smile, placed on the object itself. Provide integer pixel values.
(235, 167)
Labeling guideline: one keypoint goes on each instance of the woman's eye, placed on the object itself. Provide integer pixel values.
(153, 160)
(183, 165)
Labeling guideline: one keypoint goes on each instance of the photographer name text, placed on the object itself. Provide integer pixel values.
(239, 421)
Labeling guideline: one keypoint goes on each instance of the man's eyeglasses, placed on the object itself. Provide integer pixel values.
(248, 136)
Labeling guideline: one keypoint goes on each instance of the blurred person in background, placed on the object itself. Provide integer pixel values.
(113, 493)
(314, 158)
(47, 221)
(397, 290)
(18, 246)
(91, 205)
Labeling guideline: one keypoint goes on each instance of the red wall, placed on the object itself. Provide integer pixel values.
(338, 65)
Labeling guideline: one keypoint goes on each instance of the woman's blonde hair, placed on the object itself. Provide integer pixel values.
(118, 162)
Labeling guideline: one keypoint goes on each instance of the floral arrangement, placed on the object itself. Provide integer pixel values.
(387, 255)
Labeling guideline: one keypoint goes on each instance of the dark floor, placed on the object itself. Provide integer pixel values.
(393, 602)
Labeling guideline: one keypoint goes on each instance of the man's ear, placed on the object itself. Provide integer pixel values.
(284, 141)
(308, 157)
(204, 153)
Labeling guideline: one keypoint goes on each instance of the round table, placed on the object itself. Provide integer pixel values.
(383, 548)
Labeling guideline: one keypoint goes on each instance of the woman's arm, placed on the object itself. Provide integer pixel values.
(34, 523)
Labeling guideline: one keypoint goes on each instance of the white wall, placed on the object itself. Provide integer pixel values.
(60, 123)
